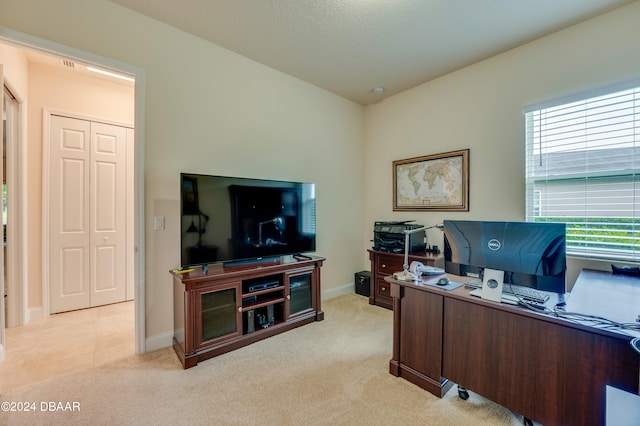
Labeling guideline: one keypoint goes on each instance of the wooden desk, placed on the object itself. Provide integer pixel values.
(545, 368)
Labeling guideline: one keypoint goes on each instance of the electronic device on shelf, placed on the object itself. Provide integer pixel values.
(234, 220)
(531, 254)
(262, 285)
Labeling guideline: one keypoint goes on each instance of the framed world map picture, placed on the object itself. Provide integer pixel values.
(433, 182)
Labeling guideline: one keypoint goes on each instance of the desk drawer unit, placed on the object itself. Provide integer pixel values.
(384, 264)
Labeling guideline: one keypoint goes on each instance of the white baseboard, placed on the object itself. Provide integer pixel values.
(337, 291)
(35, 314)
(158, 341)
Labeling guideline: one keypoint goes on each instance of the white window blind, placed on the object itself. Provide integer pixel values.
(583, 169)
(308, 209)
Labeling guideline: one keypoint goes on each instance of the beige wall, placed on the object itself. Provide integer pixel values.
(15, 68)
(481, 107)
(209, 110)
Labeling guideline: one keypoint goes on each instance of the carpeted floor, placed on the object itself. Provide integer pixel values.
(333, 372)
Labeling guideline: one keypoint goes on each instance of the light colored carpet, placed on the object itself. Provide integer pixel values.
(333, 372)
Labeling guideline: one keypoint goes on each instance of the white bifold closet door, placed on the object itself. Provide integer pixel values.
(87, 207)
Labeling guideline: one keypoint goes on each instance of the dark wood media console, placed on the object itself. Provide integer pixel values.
(226, 308)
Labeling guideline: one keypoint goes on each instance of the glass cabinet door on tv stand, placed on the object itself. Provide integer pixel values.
(300, 292)
(219, 316)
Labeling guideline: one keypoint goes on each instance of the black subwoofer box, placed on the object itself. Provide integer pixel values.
(363, 283)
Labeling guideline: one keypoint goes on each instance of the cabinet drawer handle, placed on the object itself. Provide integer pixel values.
(239, 308)
(383, 289)
(384, 265)
(288, 297)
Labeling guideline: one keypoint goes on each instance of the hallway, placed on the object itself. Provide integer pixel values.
(64, 343)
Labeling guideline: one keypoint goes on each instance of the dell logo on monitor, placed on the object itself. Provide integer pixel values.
(494, 244)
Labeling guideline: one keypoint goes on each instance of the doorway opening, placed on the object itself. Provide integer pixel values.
(44, 47)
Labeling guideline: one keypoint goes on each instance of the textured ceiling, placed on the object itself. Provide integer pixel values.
(350, 47)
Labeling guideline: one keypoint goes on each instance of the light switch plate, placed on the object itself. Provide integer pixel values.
(158, 223)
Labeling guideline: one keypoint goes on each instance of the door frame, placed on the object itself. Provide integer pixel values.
(17, 271)
(26, 41)
(2, 314)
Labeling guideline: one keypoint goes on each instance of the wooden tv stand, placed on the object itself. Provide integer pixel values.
(226, 308)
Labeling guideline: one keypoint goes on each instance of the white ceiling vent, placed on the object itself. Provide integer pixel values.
(68, 64)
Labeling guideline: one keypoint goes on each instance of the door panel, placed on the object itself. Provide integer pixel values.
(88, 208)
(69, 214)
(72, 260)
(108, 201)
(104, 266)
(72, 195)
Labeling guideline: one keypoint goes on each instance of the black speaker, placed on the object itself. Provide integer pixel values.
(250, 322)
(363, 283)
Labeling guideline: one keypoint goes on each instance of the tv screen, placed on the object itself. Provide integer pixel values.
(234, 219)
(531, 254)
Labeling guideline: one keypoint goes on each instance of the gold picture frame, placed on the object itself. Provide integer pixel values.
(438, 182)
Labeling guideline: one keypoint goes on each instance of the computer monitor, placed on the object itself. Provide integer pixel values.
(531, 254)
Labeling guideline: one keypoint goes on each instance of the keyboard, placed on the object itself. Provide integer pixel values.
(505, 298)
(525, 293)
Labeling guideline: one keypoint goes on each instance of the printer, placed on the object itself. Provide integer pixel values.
(389, 237)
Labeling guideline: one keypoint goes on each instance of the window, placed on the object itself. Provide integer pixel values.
(583, 169)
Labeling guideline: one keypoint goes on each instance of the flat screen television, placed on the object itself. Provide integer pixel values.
(532, 254)
(228, 219)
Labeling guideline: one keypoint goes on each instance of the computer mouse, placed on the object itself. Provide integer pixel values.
(443, 281)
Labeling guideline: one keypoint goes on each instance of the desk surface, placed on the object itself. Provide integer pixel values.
(449, 336)
(595, 293)
(615, 297)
